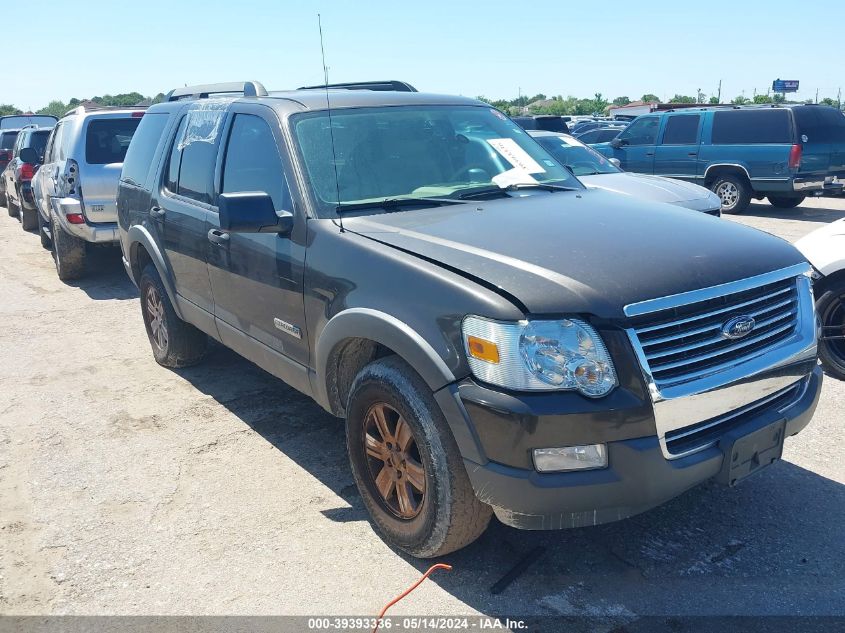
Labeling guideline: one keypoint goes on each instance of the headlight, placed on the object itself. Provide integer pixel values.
(565, 354)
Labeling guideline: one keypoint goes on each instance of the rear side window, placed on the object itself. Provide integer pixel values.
(748, 127)
(139, 156)
(681, 129)
(820, 124)
(7, 140)
(193, 155)
(107, 140)
(252, 161)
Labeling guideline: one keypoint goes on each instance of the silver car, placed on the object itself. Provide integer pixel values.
(75, 190)
(599, 172)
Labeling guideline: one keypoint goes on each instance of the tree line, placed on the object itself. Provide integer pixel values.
(59, 108)
(542, 104)
(536, 104)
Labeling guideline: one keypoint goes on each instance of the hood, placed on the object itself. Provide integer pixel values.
(825, 247)
(586, 251)
(656, 189)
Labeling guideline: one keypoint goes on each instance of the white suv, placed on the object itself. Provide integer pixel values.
(75, 190)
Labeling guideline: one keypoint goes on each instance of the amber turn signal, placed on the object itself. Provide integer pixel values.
(483, 350)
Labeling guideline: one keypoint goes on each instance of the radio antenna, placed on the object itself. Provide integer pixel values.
(331, 127)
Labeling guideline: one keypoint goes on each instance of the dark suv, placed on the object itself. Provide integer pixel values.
(499, 338)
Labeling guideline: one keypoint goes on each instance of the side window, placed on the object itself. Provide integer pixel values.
(643, 131)
(48, 153)
(252, 161)
(744, 127)
(681, 129)
(198, 145)
(141, 150)
(171, 182)
(65, 141)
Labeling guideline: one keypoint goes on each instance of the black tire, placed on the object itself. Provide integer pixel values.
(785, 202)
(178, 344)
(10, 208)
(42, 232)
(445, 515)
(830, 306)
(68, 253)
(734, 192)
(29, 219)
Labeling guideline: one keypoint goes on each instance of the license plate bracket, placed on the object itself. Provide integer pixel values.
(747, 454)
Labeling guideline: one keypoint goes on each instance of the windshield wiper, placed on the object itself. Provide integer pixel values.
(515, 187)
(391, 204)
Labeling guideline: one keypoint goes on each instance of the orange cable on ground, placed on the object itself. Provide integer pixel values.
(409, 590)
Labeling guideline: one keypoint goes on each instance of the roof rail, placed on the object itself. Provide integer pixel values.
(390, 85)
(203, 91)
(94, 107)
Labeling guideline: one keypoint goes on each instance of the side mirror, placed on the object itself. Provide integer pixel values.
(29, 155)
(616, 162)
(618, 142)
(252, 212)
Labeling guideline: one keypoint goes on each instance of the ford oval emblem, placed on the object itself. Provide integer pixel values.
(738, 327)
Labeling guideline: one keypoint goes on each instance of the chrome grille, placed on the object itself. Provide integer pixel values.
(685, 342)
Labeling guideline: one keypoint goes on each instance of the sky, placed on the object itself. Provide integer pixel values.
(492, 48)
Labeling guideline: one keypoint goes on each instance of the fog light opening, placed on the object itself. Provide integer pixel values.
(588, 457)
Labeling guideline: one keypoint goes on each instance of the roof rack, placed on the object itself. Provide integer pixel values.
(94, 107)
(391, 85)
(203, 91)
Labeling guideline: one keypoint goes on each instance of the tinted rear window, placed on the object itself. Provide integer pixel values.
(820, 124)
(7, 140)
(108, 139)
(746, 127)
(139, 157)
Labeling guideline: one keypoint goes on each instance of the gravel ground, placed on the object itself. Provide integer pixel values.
(126, 488)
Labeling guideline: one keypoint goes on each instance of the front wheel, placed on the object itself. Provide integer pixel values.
(830, 306)
(406, 463)
(734, 192)
(175, 343)
(782, 202)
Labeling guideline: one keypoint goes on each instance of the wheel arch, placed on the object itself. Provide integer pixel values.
(713, 171)
(143, 250)
(357, 336)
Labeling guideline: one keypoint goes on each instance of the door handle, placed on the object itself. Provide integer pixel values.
(692, 153)
(649, 153)
(157, 212)
(221, 238)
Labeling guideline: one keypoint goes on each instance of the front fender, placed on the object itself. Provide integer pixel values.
(139, 237)
(825, 248)
(386, 330)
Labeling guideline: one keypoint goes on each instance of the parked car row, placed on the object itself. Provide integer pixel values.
(499, 337)
(783, 153)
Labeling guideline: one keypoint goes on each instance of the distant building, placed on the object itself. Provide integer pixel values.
(635, 108)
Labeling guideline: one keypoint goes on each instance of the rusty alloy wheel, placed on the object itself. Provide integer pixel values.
(394, 461)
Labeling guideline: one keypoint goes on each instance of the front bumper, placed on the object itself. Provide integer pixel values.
(638, 476)
(101, 233)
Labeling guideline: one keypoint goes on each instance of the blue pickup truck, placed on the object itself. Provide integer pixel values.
(784, 153)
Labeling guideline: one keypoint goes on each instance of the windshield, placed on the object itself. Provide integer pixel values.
(582, 160)
(418, 152)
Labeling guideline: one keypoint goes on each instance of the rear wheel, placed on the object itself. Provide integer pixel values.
(42, 232)
(734, 192)
(175, 343)
(12, 210)
(68, 253)
(29, 220)
(830, 307)
(406, 463)
(782, 202)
